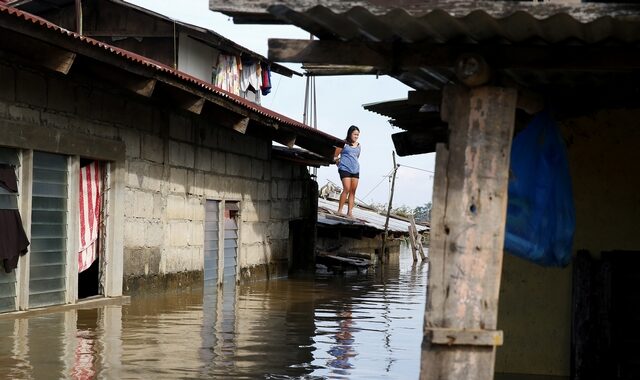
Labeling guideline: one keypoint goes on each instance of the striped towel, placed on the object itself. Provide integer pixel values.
(90, 192)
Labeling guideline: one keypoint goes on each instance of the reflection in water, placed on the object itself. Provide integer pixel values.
(352, 327)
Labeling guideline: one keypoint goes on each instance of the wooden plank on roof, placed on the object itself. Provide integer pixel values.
(38, 52)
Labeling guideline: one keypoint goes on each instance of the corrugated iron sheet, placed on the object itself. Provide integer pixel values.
(452, 22)
(362, 216)
(157, 66)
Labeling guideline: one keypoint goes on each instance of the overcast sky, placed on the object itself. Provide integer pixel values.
(339, 105)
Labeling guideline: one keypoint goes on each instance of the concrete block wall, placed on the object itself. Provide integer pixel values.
(175, 161)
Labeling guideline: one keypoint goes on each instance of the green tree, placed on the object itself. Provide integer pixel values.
(423, 213)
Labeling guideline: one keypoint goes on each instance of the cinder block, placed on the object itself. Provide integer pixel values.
(134, 233)
(179, 234)
(263, 192)
(181, 154)
(143, 207)
(111, 109)
(8, 80)
(196, 207)
(281, 169)
(54, 120)
(177, 260)
(196, 238)
(152, 178)
(203, 159)
(61, 95)
(195, 183)
(283, 189)
(89, 99)
(131, 140)
(176, 207)
(263, 149)
(180, 127)
(103, 130)
(154, 234)
(253, 232)
(234, 165)
(177, 180)
(219, 162)
(279, 229)
(159, 205)
(135, 173)
(31, 88)
(139, 116)
(257, 169)
(256, 254)
(24, 114)
(152, 148)
(280, 210)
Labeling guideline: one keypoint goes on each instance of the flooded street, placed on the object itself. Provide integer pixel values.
(338, 327)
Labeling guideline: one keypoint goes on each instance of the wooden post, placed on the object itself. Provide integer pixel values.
(467, 233)
(413, 238)
(386, 222)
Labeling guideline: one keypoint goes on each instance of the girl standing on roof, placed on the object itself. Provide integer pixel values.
(349, 169)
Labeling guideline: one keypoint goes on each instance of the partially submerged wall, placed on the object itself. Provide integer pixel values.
(174, 162)
(535, 302)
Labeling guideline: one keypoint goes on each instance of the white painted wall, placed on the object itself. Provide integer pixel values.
(195, 58)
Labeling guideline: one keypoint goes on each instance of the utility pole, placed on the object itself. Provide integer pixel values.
(386, 222)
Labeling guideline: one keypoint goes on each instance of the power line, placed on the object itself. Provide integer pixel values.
(412, 167)
(379, 183)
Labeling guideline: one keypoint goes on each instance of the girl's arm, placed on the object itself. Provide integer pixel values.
(336, 155)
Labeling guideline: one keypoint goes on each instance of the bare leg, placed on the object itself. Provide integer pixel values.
(346, 188)
(352, 195)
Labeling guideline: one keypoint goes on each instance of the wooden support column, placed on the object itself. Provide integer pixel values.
(469, 214)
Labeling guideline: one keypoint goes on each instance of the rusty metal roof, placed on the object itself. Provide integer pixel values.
(41, 7)
(136, 59)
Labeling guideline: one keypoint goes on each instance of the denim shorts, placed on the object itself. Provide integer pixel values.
(346, 174)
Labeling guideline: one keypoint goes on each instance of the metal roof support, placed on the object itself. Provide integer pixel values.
(467, 234)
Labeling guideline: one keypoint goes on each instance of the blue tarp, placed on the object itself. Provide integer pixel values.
(540, 211)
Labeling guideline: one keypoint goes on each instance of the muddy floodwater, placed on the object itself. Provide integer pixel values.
(320, 327)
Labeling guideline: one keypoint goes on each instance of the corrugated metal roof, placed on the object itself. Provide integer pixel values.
(369, 218)
(462, 23)
(39, 7)
(146, 62)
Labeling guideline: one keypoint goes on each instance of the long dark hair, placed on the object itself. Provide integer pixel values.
(350, 131)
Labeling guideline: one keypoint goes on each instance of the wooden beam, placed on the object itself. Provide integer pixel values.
(241, 125)
(132, 82)
(327, 52)
(452, 337)
(410, 143)
(406, 57)
(38, 52)
(424, 97)
(285, 138)
(467, 230)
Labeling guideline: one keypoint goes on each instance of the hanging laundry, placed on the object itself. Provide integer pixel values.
(14, 242)
(251, 76)
(8, 178)
(228, 73)
(266, 80)
(90, 197)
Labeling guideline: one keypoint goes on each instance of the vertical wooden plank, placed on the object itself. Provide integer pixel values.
(412, 238)
(469, 214)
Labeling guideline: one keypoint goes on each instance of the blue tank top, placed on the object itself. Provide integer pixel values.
(349, 159)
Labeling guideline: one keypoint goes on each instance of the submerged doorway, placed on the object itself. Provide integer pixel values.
(90, 222)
